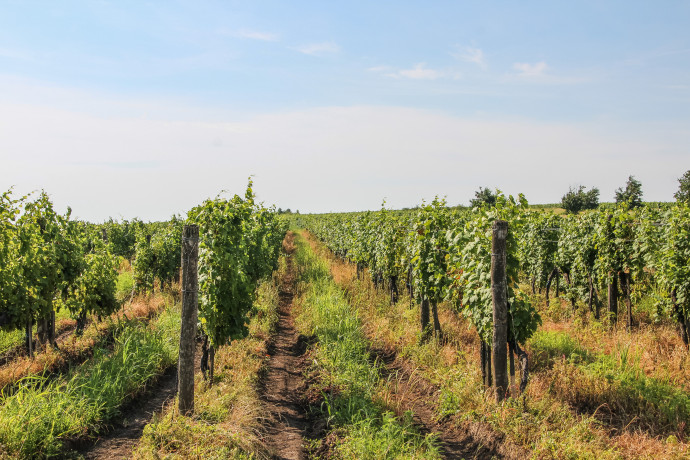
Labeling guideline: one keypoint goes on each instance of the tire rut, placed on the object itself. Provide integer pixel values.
(128, 428)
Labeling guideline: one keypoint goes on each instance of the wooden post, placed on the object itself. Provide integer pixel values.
(613, 297)
(29, 338)
(499, 294)
(625, 287)
(424, 316)
(190, 287)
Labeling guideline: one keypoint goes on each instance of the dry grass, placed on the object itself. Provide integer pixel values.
(77, 349)
(657, 349)
(565, 412)
(228, 415)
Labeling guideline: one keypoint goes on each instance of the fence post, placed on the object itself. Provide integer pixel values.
(190, 287)
(499, 294)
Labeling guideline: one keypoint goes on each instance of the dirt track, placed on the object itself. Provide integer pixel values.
(284, 384)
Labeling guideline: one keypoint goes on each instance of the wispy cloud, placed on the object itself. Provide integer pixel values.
(318, 49)
(14, 54)
(379, 69)
(530, 70)
(418, 72)
(256, 35)
(471, 54)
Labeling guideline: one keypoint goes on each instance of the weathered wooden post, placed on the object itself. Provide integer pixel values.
(613, 296)
(190, 288)
(499, 294)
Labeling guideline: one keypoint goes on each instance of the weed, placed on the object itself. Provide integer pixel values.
(42, 413)
(366, 428)
(228, 415)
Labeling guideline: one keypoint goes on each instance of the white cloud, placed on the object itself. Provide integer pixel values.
(379, 69)
(530, 70)
(474, 55)
(15, 54)
(127, 165)
(418, 72)
(255, 35)
(318, 49)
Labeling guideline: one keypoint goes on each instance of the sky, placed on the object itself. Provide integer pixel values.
(143, 109)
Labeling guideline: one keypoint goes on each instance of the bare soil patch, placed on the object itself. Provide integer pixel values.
(125, 431)
(284, 385)
(458, 441)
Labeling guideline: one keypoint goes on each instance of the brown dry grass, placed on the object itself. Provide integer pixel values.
(75, 349)
(658, 349)
(228, 415)
(548, 421)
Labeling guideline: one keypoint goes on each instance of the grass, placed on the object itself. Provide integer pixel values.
(228, 415)
(10, 341)
(77, 349)
(593, 392)
(43, 413)
(612, 384)
(349, 382)
(124, 285)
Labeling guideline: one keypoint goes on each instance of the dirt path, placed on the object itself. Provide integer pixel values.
(284, 384)
(127, 429)
(417, 395)
(410, 392)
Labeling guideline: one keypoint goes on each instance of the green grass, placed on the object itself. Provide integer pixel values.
(42, 413)
(124, 285)
(615, 381)
(549, 346)
(349, 382)
(13, 339)
(228, 414)
(10, 340)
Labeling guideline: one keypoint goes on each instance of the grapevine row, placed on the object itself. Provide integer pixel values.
(49, 262)
(444, 254)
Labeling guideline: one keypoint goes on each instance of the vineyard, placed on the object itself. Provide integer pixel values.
(352, 335)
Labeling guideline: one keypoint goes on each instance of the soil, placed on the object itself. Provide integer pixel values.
(125, 432)
(464, 441)
(284, 385)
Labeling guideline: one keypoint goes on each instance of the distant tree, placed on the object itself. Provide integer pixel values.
(683, 193)
(483, 196)
(632, 194)
(578, 199)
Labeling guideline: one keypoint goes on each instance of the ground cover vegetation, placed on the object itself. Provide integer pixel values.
(75, 349)
(228, 414)
(605, 381)
(101, 275)
(360, 424)
(37, 419)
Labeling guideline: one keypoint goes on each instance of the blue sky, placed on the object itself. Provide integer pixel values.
(111, 106)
